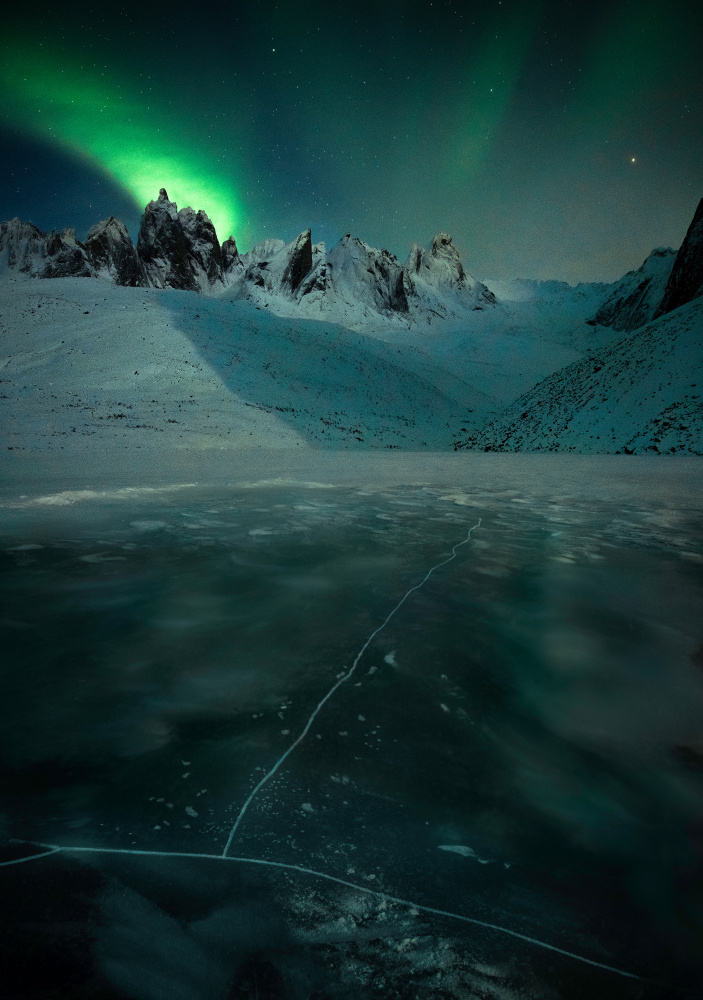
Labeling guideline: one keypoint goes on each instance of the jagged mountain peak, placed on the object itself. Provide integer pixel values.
(351, 282)
(24, 247)
(636, 297)
(437, 278)
(178, 249)
(112, 253)
(443, 241)
(299, 260)
(686, 279)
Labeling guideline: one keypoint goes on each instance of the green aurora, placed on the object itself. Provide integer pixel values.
(141, 143)
(549, 139)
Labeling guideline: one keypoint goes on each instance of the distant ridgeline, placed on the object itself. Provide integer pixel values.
(665, 281)
(181, 250)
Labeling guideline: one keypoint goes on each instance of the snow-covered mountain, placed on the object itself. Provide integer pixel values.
(437, 279)
(665, 281)
(296, 345)
(356, 285)
(642, 394)
(351, 283)
(638, 295)
(28, 250)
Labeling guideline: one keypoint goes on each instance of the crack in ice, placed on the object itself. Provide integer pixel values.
(56, 848)
(51, 849)
(341, 681)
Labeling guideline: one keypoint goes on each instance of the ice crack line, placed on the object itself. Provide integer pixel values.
(55, 848)
(341, 681)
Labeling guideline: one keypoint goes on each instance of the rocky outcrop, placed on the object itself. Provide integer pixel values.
(27, 249)
(358, 273)
(299, 262)
(636, 297)
(686, 279)
(232, 266)
(437, 279)
(113, 255)
(279, 268)
(178, 249)
(204, 252)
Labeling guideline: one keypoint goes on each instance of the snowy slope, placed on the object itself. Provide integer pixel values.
(637, 296)
(84, 362)
(299, 345)
(357, 285)
(643, 394)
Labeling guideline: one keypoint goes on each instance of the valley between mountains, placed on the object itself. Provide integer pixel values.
(181, 342)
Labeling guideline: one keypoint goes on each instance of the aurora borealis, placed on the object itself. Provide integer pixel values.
(550, 139)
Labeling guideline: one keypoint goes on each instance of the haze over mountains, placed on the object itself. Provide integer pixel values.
(300, 345)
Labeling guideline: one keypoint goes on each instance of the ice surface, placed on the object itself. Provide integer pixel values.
(568, 756)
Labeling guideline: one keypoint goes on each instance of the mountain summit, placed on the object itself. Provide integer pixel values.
(352, 282)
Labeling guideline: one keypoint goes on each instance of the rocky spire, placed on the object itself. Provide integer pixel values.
(299, 261)
(204, 251)
(42, 255)
(232, 266)
(113, 254)
(178, 249)
(437, 277)
(686, 279)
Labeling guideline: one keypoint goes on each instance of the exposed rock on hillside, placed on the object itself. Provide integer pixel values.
(438, 280)
(179, 249)
(636, 297)
(27, 249)
(686, 279)
(232, 266)
(277, 267)
(113, 255)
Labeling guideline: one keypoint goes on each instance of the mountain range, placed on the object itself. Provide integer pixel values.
(342, 347)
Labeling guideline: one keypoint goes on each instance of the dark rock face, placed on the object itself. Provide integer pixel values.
(66, 257)
(163, 247)
(299, 261)
(113, 254)
(686, 279)
(205, 253)
(638, 294)
(42, 255)
(178, 249)
(275, 267)
(232, 266)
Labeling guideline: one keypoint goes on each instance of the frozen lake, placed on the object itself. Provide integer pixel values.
(502, 795)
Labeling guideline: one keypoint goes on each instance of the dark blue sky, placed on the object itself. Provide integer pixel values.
(550, 139)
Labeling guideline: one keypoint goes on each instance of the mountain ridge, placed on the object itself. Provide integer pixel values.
(179, 249)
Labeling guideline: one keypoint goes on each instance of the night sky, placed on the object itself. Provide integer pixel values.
(549, 139)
